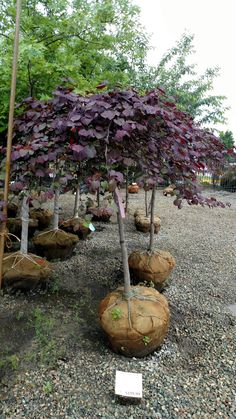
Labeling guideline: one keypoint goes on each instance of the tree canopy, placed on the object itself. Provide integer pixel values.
(107, 130)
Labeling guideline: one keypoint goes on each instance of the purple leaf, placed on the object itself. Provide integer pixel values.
(109, 115)
(77, 148)
(39, 173)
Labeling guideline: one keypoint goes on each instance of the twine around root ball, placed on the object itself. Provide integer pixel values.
(134, 294)
(29, 256)
(8, 241)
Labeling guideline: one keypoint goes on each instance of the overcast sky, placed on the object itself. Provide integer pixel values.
(214, 26)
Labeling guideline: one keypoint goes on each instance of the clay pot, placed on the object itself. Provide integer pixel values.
(14, 226)
(76, 226)
(55, 244)
(138, 326)
(153, 266)
(24, 272)
(43, 216)
(134, 188)
(142, 223)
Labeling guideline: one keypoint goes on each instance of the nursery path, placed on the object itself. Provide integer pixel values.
(54, 359)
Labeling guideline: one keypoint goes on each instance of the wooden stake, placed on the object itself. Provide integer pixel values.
(10, 131)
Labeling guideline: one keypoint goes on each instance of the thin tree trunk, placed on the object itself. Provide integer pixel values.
(146, 204)
(98, 197)
(56, 209)
(25, 225)
(127, 191)
(124, 253)
(152, 227)
(76, 206)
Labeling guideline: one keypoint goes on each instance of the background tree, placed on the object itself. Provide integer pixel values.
(227, 138)
(84, 40)
(179, 78)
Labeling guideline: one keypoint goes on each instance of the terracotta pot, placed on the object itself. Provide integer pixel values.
(55, 244)
(143, 224)
(24, 272)
(43, 216)
(138, 326)
(153, 266)
(133, 188)
(76, 226)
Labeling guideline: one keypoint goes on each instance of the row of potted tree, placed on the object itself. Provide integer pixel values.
(75, 142)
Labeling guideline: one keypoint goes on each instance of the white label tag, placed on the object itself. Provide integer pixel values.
(128, 384)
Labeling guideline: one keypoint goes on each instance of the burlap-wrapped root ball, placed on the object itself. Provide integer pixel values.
(169, 190)
(24, 272)
(14, 227)
(142, 224)
(76, 226)
(139, 212)
(44, 217)
(153, 266)
(133, 188)
(55, 244)
(138, 326)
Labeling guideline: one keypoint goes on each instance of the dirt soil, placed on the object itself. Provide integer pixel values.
(51, 325)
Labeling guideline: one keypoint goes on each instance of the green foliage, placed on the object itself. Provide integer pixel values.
(180, 80)
(48, 349)
(42, 326)
(228, 180)
(48, 387)
(84, 42)
(227, 139)
(116, 313)
(10, 360)
(146, 340)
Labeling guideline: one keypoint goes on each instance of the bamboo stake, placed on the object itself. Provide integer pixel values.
(10, 130)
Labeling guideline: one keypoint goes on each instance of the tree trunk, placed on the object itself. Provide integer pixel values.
(146, 204)
(25, 225)
(127, 191)
(152, 227)
(56, 209)
(98, 197)
(76, 206)
(124, 253)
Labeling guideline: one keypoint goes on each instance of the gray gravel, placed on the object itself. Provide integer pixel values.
(191, 376)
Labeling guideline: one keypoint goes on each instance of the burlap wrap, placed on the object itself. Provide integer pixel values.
(153, 266)
(142, 324)
(43, 216)
(24, 272)
(142, 224)
(133, 188)
(76, 226)
(55, 244)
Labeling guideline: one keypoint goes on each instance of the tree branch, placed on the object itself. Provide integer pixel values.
(5, 36)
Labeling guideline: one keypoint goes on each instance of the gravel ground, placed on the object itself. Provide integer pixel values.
(72, 370)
